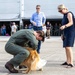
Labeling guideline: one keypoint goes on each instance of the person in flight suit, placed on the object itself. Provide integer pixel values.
(16, 44)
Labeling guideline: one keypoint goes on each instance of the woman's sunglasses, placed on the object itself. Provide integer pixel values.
(60, 11)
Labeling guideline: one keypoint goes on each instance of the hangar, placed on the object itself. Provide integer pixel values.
(20, 11)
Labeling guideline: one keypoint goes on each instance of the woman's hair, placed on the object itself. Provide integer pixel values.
(62, 6)
(41, 34)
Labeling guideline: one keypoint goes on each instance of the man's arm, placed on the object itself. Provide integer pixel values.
(43, 19)
(33, 42)
(32, 20)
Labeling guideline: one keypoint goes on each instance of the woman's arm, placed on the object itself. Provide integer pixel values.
(70, 23)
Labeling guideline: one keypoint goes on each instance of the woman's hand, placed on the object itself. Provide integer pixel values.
(62, 27)
(62, 37)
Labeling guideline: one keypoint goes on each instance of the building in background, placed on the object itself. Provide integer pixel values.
(9, 10)
(49, 7)
(20, 11)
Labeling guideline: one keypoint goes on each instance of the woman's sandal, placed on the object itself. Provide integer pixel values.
(65, 63)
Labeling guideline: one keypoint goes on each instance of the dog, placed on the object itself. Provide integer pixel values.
(31, 61)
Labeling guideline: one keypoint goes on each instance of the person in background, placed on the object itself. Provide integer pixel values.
(48, 26)
(56, 29)
(13, 28)
(30, 26)
(0, 31)
(38, 19)
(44, 29)
(59, 32)
(68, 31)
(51, 30)
(8, 29)
(3, 30)
(26, 26)
(17, 27)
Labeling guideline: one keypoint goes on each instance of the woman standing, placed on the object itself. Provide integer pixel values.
(68, 33)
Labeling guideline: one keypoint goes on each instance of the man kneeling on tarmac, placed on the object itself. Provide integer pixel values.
(16, 44)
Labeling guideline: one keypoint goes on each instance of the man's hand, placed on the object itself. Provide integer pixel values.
(34, 23)
(31, 45)
(43, 25)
